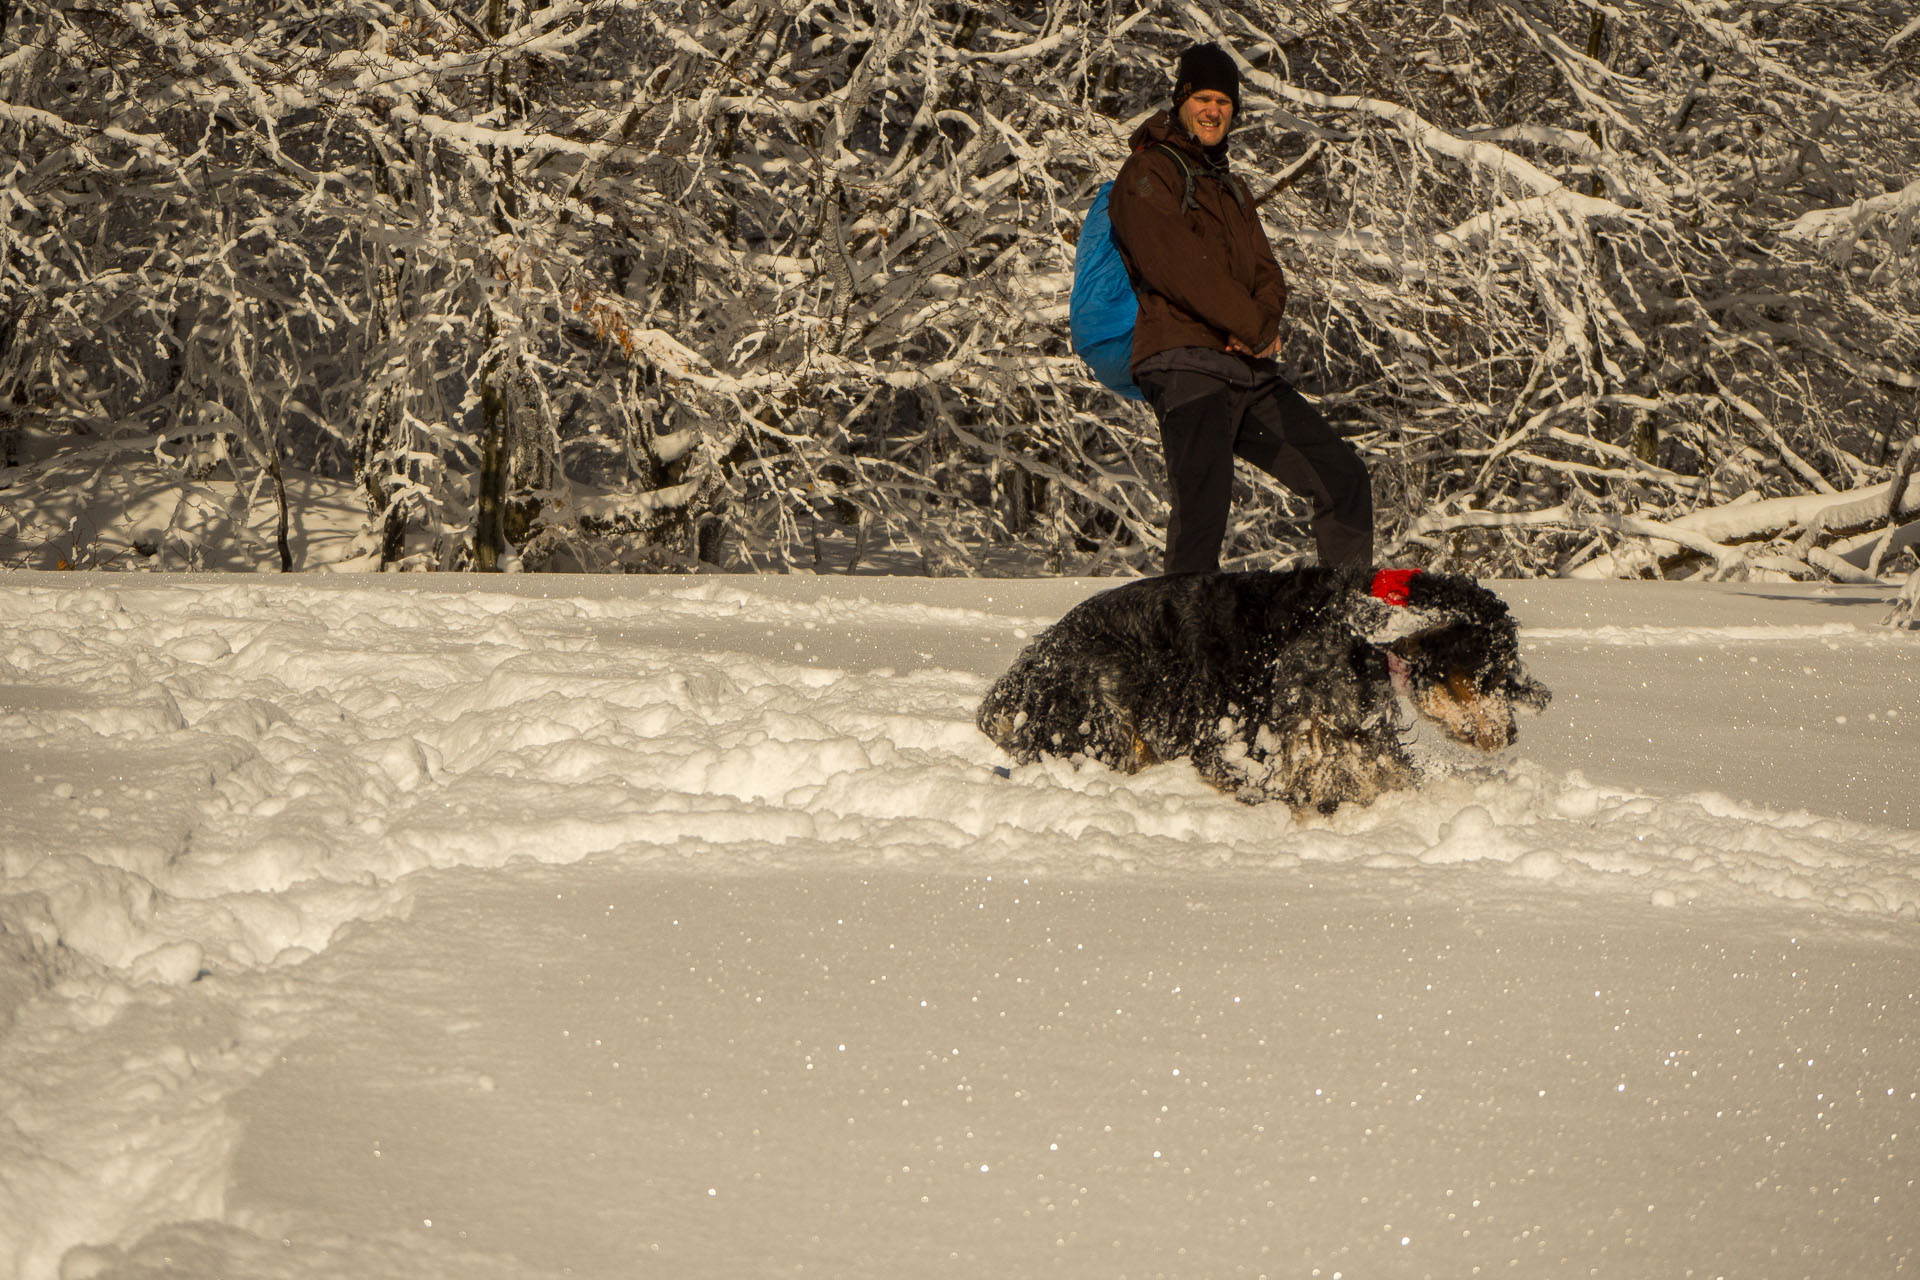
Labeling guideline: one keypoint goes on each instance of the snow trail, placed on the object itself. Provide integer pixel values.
(345, 739)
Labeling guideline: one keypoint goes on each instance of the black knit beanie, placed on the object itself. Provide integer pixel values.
(1206, 66)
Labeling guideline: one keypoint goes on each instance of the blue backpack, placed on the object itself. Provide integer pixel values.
(1102, 308)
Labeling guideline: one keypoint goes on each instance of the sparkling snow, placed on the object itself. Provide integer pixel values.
(530, 927)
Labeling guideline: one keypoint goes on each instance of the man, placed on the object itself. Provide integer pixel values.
(1211, 298)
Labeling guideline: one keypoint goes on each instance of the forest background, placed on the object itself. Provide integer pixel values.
(658, 285)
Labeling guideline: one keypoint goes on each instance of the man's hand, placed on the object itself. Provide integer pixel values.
(1271, 353)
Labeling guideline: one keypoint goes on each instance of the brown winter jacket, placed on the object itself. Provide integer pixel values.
(1202, 274)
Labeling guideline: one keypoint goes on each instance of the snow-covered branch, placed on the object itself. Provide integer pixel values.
(1835, 232)
(1477, 153)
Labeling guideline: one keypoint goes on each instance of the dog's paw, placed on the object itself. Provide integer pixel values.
(1310, 766)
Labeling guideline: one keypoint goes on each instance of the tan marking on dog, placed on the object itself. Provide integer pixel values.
(1466, 714)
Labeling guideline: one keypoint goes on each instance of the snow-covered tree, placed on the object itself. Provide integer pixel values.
(1581, 262)
(1610, 287)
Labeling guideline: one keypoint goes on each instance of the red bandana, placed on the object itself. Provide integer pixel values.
(1394, 585)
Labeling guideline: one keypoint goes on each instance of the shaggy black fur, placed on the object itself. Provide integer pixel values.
(1276, 685)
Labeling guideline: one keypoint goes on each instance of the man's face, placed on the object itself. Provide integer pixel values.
(1206, 114)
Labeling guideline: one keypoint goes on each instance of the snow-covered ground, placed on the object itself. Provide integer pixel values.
(437, 927)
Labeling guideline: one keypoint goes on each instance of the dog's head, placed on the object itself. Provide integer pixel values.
(1455, 649)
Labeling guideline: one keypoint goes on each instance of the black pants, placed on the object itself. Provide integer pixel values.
(1206, 422)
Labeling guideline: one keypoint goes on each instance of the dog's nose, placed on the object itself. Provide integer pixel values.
(1523, 691)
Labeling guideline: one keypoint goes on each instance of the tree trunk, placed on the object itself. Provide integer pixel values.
(9, 395)
(1902, 473)
(490, 496)
(490, 485)
(281, 520)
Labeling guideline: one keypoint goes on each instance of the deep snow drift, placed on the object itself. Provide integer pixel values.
(682, 927)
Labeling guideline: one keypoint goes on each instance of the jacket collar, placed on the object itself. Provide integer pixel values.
(1164, 127)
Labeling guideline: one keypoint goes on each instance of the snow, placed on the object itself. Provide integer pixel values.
(440, 926)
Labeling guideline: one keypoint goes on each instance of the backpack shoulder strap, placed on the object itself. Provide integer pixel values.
(1186, 172)
(1236, 188)
(1220, 175)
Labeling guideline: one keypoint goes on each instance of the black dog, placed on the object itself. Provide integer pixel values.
(1277, 685)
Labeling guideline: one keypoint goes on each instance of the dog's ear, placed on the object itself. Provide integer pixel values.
(1487, 658)
(1451, 651)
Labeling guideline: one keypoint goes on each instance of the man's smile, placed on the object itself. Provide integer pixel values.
(1207, 115)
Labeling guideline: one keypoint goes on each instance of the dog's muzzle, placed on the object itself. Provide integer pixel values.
(1525, 691)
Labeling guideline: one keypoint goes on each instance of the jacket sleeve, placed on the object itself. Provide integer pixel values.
(1270, 282)
(1172, 258)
